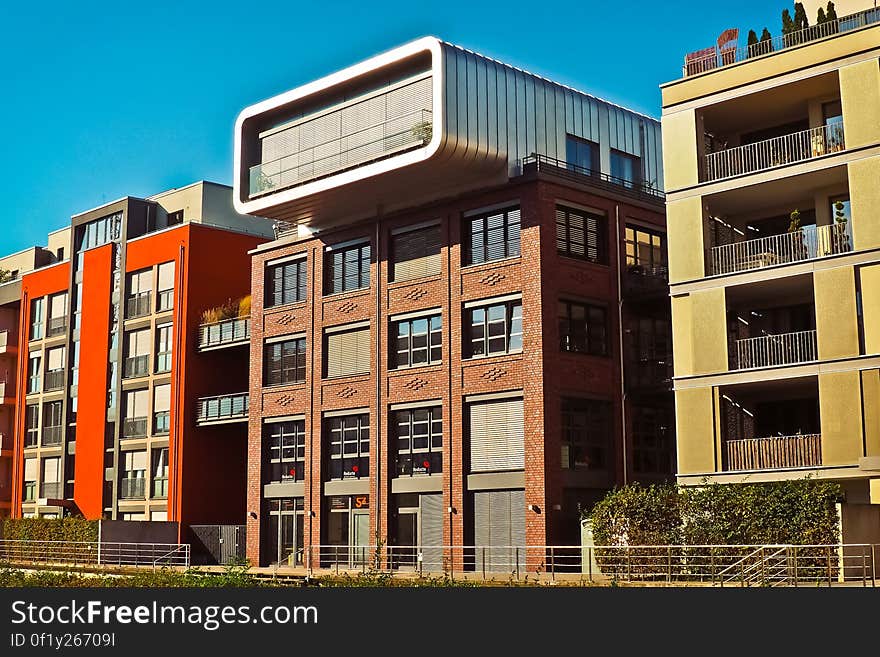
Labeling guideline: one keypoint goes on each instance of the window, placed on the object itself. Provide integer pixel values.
(137, 353)
(34, 373)
(347, 268)
(54, 369)
(287, 450)
(347, 352)
(416, 253)
(349, 446)
(77, 305)
(652, 444)
(160, 472)
(419, 341)
(132, 516)
(419, 435)
(161, 409)
(497, 435)
(134, 474)
(164, 340)
(645, 249)
(59, 253)
(57, 323)
(165, 290)
(586, 434)
(134, 423)
(50, 482)
(140, 287)
(581, 154)
(583, 328)
(38, 314)
(649, 350)
(31, 425)
(158, 516)
(581, 234)
(492, 236)
(95, 233)
(286, 361)
(286, 283)
(29, 492)
(53, 424)
(175, 218)
(626, 169)
(495, 329)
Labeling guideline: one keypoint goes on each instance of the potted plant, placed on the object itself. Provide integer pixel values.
(839, 235)
(423, 131)
(799, 248)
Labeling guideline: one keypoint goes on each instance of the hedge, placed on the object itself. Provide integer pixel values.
(69, 529)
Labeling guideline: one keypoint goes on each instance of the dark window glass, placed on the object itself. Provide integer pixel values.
(419, 434)
(286, 442)
(626, 169)
(495, 329)
(586, 434)
(347, 269)
(286, 362)
(581, 234)
(286, 283)
(581, 155)
(652, 431)
(492, 236)
(348, 446)
(418, 341)
(32, 426)
(583, 328)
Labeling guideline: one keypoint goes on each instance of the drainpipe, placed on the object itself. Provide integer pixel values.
(176, 379)
(20, 386)
(378, 368)
(311, 418)
(620, 337)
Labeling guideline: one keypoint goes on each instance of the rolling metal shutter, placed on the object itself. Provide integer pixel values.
(348, 353)
(497, 435)
(416, 254)
(431, 518)
(499, 528)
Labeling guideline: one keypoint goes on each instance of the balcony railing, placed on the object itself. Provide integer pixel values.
(136, 366)
(712, 58)
(51, 436)
(775, 452)
(165, 300)
(134, 427)
(776, 350)
(54, 380)
(138, 305)
(643, 280)
(805, 243)
(223, 408)
(56, 326)
(54, 490)
(132, 487)
(160, 487)
(376, 142)
(775, 152)
(537, 162)
(225, 333)
(161, 423)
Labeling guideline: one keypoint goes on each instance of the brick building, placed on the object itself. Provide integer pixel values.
(460, 334)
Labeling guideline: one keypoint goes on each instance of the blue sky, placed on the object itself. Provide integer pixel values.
(100, 100)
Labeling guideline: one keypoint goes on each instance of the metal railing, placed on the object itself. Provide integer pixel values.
(138, 305)
(132, 487)
(81, 553)
(56, 326)
(223, 407)
(774, 152)
(52, 489)
(805, 243)
(646, 279)
(160, 487)
(161, 422)
(54, 380)
(51, 435)
(341, 153)
(538, 162)
(774, 452)
(164, 300)
(715, 58)
(225, 332)
(134, 427)
(135, 366)
(776, 350)
(710, 565)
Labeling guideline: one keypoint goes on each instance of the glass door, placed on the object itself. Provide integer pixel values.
(407, 539)
(360, 534)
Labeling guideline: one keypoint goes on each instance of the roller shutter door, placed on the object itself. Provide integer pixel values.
(499, 528)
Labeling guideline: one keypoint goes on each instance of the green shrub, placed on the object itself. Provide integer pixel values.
(69, 529)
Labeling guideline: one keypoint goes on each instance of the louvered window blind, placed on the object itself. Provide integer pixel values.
(497, 435)
(348, 353)
(581, 234)
(416, 253)
(492, 236)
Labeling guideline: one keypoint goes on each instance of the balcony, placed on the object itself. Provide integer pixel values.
(134, 427)
(226, 333)
(29, 491)
(807, 243)
(775, 452)
(54, 380)
(135, 366)
(165, 300)
(776, 350)
(646, 280)
(775, 152)
(51, 436)
(392, 136)
(52, 490)
(56, 326)
(712, 58)
(161, 423)
(132, 488)
(160, 487)
(138, 305)
(222, 409)
(536, 162)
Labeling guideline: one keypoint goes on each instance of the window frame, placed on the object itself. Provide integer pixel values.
(278, 441)
(600, 234)
(273, 296)
(360, 468)
(363, 264)
(431, 454)
(509, 319)
(512, 247)
(430, 347)
(596, 412)
(298, 358)
(567, 342)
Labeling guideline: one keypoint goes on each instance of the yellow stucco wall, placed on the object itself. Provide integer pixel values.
(871, 411)
(680, 150)
(836, 322)
(864, 196)
(682, 340)
(684, 240)
(840, 410)
(870, 285)
(860, 96)
(695, 430)
(709, 331)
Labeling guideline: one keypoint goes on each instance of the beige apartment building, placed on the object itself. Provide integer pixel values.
(772, 169)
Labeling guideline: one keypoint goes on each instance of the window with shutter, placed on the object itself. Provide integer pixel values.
(347, 353)
(492, 236)
(285, 283)
(347, 268)
(581, 234)
(416, 253)
(497, 435)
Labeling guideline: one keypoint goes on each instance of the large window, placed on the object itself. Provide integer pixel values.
(626, 169)
(583, 328)
(160, 473)
(285, 361)
(165, 289)
(645, 249)
(347, 268)
(348, 440)
(586, 434)
(419, 434)
(50, 482)
(32, 425)
(497, 435)
(649, 350)
(132, 484)
(416, 253)
(581, 154)
(495, 329)
(581, 234)
(492, 236)
(286, 443)
(652, 440)
(134, 423)
(38, 317)
(164, 349)
(137, 354)
(419, 341)
(162, 409)
(57, 323)
(140, 294)
(34, 373)
(95, 233)
(347, 352)
(29, 490)
(53, 424)
(54, 369)
(285, 283)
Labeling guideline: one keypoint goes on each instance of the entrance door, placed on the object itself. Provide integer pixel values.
(360, 535)
(407, 539)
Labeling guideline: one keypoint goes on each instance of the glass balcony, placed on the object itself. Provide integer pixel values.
(52, 490)
(160, 487)
(54, 380)
(132, 487)
(135, 366)
(134, 427)
(226, 333)
(56, 326)
(223, 408)
(51, 436)
(138, 305)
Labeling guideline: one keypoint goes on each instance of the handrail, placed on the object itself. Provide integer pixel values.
(223, 407)
(225, 331)
(539, 162)
(774, 452)
(773, 350)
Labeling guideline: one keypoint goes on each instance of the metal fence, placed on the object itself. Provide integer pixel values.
(223, 407)
(138, 305)
(227, 331)
(773, 452)
(75, 553)
(776, 350)
(539, 162)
